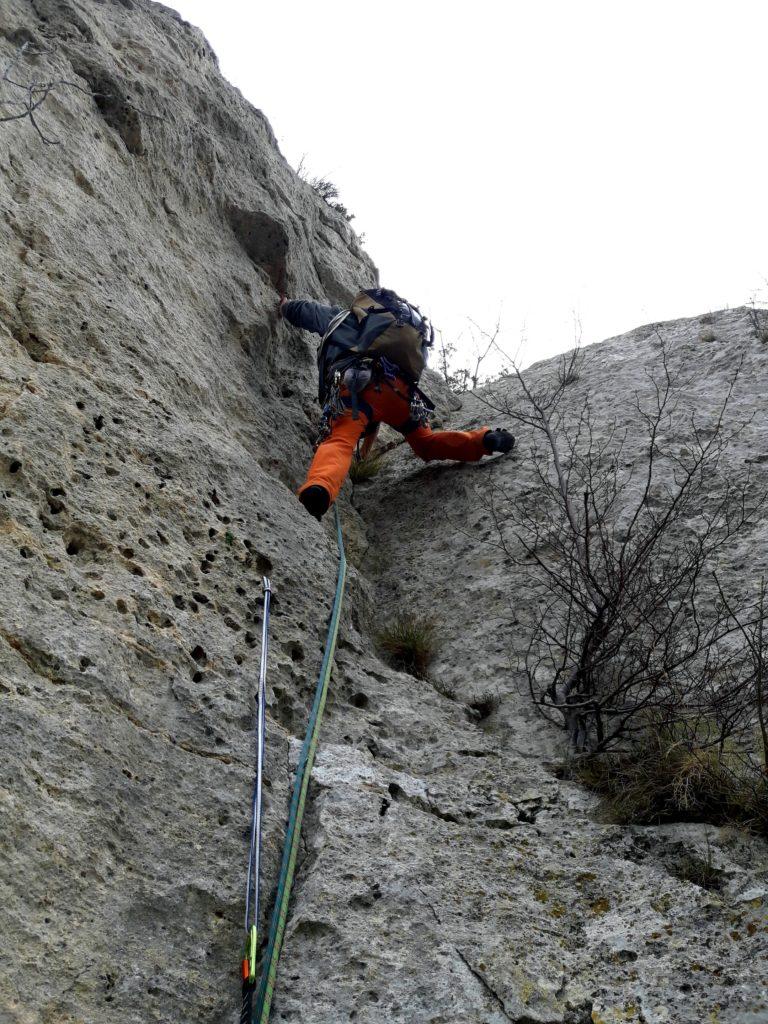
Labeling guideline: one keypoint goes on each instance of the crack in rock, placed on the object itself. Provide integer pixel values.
(492, 993)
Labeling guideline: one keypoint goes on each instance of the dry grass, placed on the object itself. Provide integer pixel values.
(410, 643)
(444, 689)
(699, 871)
(485, 705)
(667, 778)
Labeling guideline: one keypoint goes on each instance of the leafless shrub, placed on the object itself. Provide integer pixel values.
(758, 319)
(446, 352)
(626, 632)
(568, 371)
(753, 629)
(28, 98)
(325, 189)
(329, 193)
(461, 379)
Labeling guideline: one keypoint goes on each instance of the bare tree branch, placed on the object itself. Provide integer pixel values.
(28, 98)
(32, 95)
(625, 633)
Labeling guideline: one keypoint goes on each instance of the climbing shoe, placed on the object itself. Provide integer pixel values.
(315, 500)
(498, 441)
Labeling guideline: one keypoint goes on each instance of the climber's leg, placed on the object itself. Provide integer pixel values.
(332, 459)
(392, 404)
(462, 445)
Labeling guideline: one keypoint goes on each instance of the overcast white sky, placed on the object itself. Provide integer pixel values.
(548, 159)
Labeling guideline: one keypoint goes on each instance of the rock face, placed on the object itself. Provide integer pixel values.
(155, 419)
(532, 909)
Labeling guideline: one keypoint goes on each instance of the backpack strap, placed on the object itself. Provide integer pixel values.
(337, 321)
(323, 381)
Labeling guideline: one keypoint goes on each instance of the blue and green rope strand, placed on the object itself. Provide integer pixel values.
(298, 803)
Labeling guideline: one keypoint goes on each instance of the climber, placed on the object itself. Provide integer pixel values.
(369, 360)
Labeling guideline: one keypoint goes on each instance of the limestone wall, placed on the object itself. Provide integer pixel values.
(155, 419)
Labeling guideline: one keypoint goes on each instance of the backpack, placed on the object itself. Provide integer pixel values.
(388, 327)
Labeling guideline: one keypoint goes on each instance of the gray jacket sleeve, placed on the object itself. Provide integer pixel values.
(311, 316)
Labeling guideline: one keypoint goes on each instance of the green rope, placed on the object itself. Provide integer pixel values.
(298, 802)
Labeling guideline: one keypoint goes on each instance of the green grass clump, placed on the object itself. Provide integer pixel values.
(410, 643)
(367, 468)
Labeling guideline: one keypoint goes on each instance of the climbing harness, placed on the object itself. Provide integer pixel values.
(356, 378)
(263, 1003)
(354, 375)
(254, 856)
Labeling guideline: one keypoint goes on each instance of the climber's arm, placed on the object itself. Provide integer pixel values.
(311, 316)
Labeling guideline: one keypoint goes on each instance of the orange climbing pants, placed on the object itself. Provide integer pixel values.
(385, 402)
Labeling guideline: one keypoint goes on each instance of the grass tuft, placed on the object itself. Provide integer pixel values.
(485, 705)
(567, 376)
(365, 469)
(410, 643)
(699, 872)
(445, 689)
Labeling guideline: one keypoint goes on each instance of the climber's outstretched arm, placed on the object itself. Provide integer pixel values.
(311, 316)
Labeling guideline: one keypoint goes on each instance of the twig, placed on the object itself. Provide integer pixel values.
(622, 637)
(34, 94)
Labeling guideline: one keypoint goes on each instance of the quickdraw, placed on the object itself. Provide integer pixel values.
(252, 885)
(354, 376)
(420, 412)
(332, 408)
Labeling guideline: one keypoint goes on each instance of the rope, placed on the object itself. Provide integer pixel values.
(298, 803)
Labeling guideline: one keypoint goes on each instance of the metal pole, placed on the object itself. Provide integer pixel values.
(254, 857)
(262, 736)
